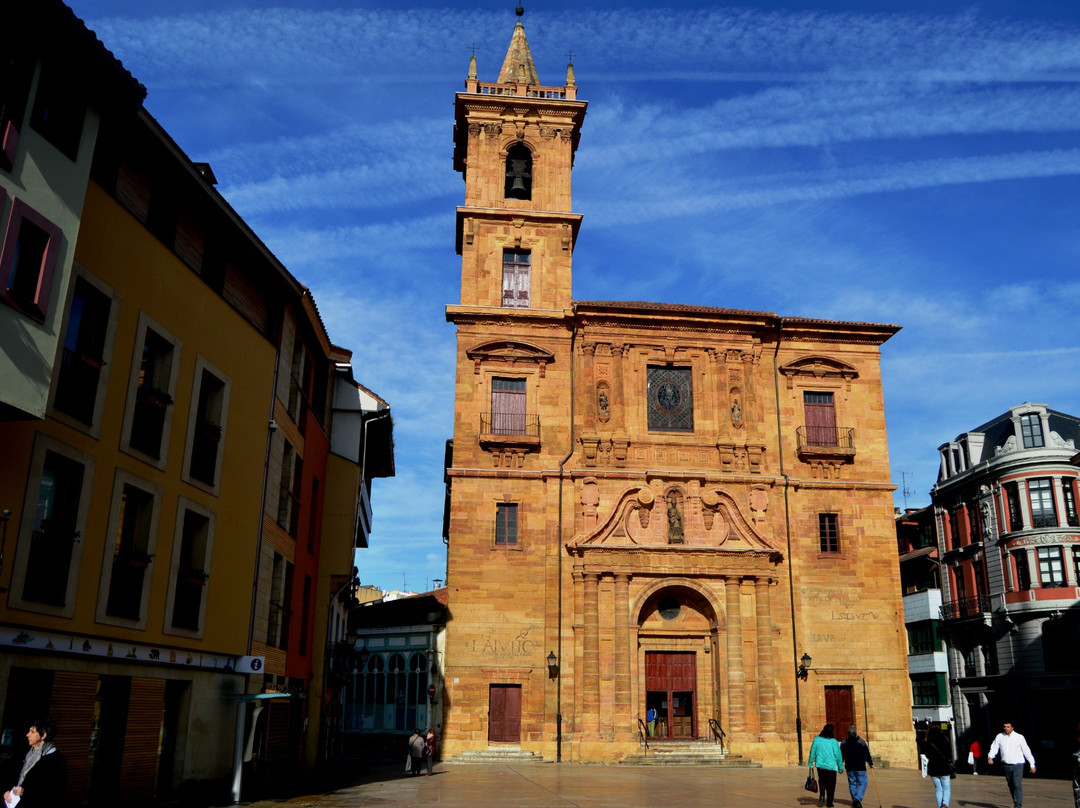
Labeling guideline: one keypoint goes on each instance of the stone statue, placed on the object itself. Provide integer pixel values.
(674, 522)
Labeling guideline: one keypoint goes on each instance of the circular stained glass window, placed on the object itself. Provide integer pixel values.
(669, 608)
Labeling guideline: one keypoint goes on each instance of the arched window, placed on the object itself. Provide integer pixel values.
(518, 172)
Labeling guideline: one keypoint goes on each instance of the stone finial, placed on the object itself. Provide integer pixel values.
(472, 66)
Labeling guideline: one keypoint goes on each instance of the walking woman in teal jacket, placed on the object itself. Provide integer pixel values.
(825, 755)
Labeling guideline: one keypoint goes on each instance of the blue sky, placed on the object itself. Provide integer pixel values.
(917, 164)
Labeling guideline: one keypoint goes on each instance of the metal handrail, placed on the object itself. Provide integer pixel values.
(643, 734)
(718, 732)
(825, 437)
(966, 607)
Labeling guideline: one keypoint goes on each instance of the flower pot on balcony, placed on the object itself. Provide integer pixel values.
(195, 577)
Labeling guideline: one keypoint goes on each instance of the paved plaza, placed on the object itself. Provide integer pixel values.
(551, 785)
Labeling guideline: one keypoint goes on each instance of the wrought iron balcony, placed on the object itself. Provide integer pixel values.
(827, 441)
(968, 607)
(509, 426)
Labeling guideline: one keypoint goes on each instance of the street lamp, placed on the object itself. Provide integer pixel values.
(553, 666)
(801, 674)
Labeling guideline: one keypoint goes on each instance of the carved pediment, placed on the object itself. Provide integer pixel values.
(507, 352)
(817, 366)
(648, 517)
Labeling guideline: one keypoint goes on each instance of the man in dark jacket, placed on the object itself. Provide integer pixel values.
(43, 779)
(856, 754)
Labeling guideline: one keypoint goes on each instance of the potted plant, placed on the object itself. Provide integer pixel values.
(210, 430)
(139, 559)
(155, 397)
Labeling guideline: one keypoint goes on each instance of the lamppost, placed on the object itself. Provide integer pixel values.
(801, 674)
(553, 674)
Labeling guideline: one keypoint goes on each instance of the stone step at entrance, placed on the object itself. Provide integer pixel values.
(687, 753)
(507, 754)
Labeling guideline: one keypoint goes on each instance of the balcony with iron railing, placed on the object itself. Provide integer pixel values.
(825, 441)
(977, 606)
(509, 429)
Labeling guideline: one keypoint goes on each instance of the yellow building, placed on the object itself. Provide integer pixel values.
(164, 595)
(652, 506)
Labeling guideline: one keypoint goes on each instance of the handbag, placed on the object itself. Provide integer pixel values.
(810, 784)
(952, 771)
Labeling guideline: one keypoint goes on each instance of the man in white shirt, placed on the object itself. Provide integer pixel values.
(1014, 752)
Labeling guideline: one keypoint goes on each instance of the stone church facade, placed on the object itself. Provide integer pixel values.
(651, 505)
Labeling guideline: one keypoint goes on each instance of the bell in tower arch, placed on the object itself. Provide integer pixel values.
(518, 172)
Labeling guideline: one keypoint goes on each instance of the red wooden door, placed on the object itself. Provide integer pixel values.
(820, 419)
(671, 683)
(840, 708)
(504, 713)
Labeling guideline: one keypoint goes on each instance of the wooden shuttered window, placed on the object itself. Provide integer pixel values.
(72, 710)
(508, 406)
(142, 739)
(242, 292)
(820, 419)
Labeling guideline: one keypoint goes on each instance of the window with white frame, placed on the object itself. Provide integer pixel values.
(1069, 495)
(207, 425)
(55, 531)
(1041, 496)
(190, 568)
(1031, 431)
(154, 369)
(132, 541)
(79, 380)
(1051, 567)
(516, 278)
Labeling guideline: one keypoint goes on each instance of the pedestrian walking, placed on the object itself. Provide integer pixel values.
(826, 757)
(650, 721)
(429, 749)
(856, 754)
(1014, 751)
(939, 764)
(416, 751)
(975, 756)
(43, 778)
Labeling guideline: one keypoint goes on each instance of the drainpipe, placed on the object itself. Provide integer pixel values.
(562, 464)
(787, 529)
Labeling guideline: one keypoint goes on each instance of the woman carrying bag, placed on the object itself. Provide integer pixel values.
(825, 755)
(939, 764)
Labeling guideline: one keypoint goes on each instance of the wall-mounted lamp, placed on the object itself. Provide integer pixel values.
(553, 666)
(803, 671)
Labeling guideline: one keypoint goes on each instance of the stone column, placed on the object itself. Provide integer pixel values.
(618, 388)
(624, 715)
(766, 673)
(588, 352)
(591, 662)
(736, 681)
(751, 677)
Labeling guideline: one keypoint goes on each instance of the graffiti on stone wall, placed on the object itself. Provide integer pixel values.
(496, 644)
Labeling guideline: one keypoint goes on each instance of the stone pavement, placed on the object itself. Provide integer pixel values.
(568, 785)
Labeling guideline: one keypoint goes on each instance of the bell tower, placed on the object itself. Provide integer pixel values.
(514, 144)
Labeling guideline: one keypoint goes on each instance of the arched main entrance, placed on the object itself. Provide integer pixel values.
(676, 631)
